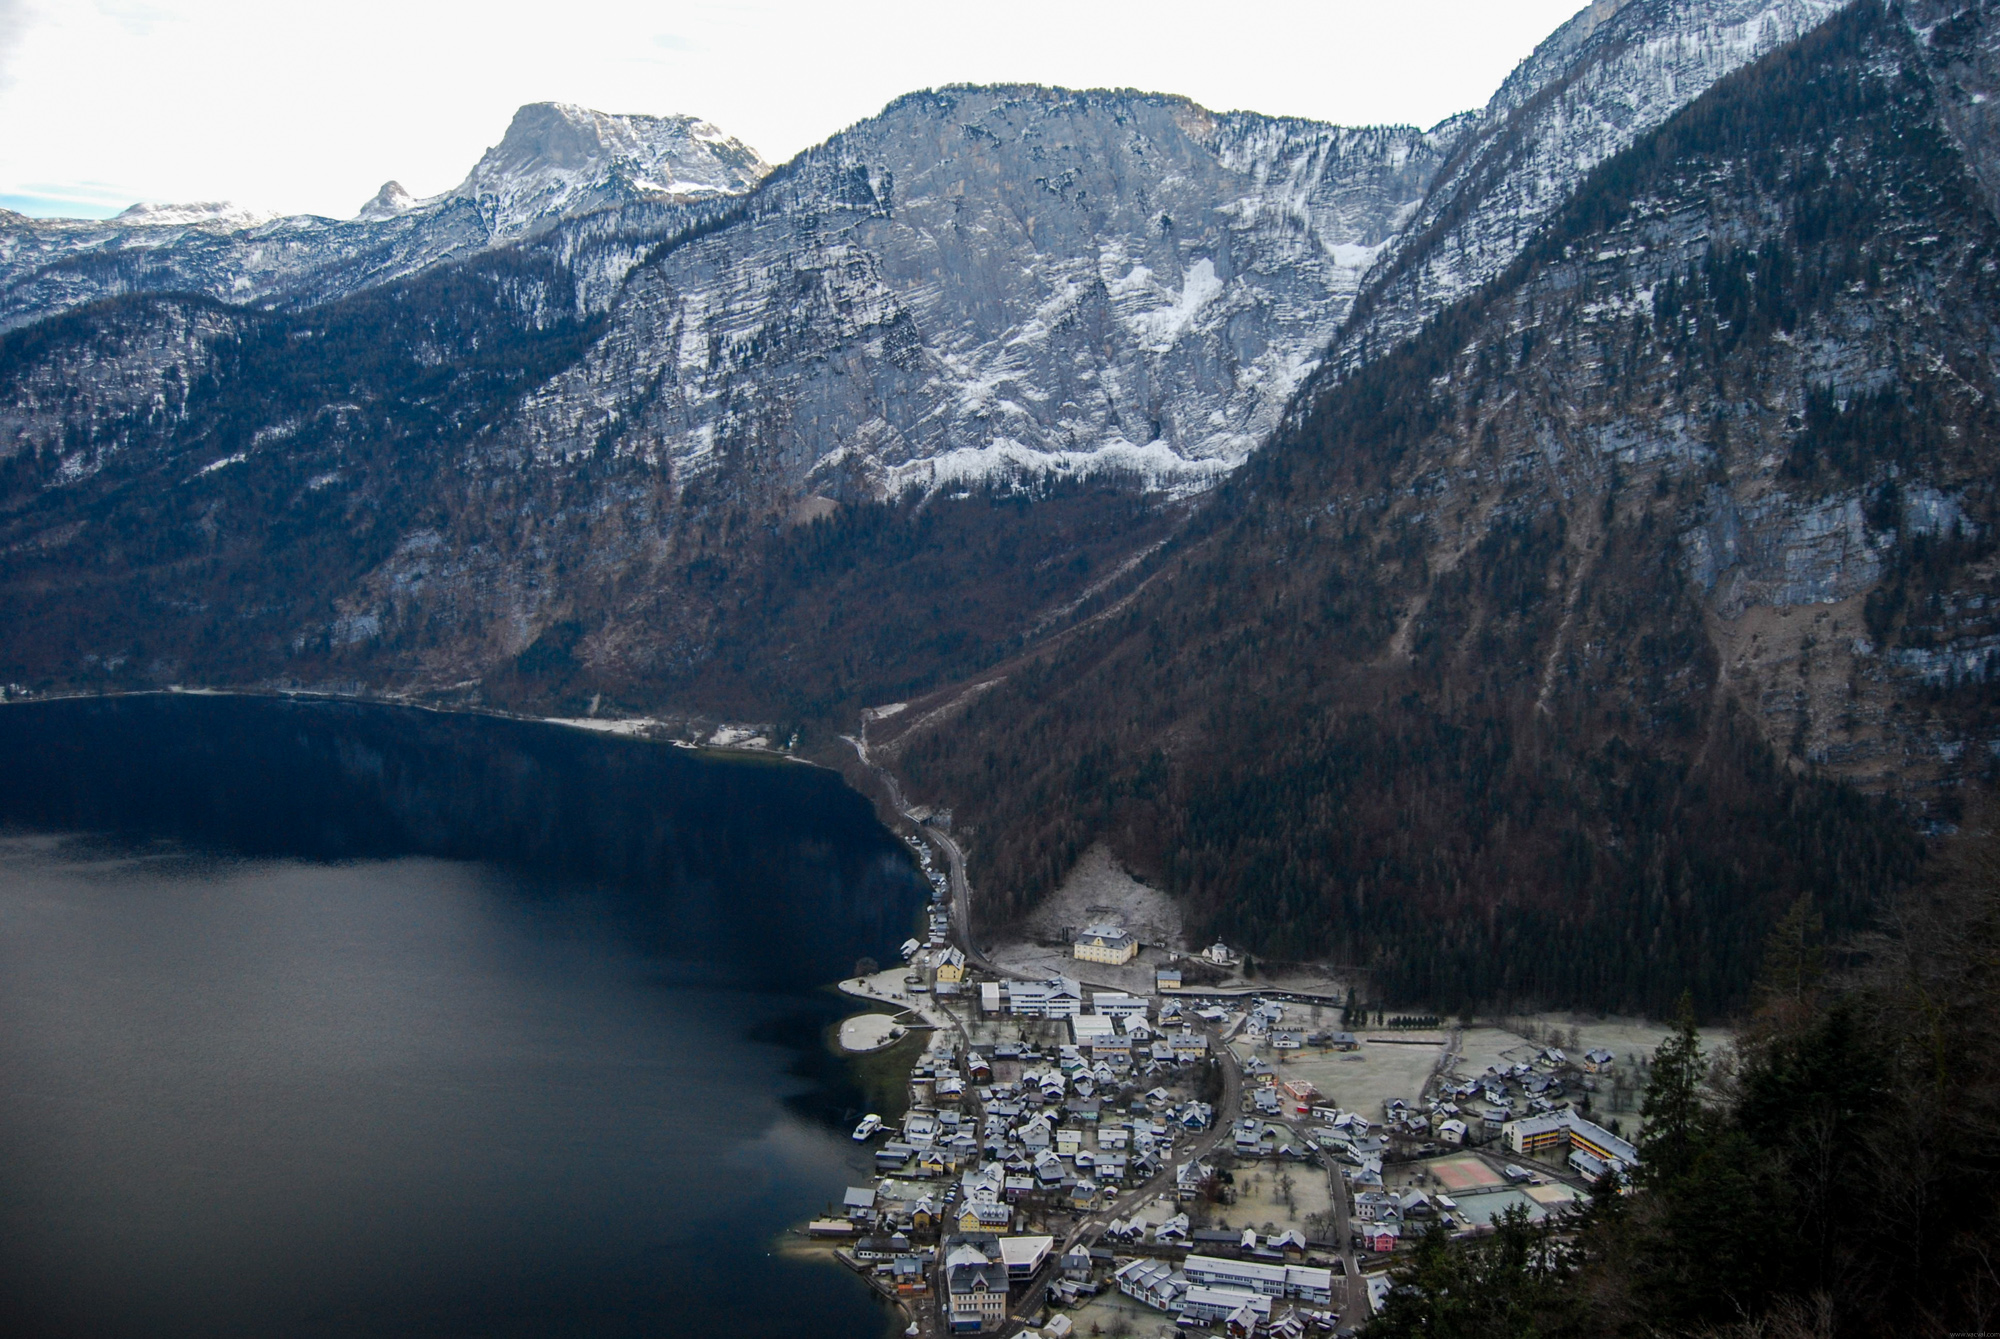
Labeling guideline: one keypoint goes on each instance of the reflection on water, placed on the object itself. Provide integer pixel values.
(403, 1091)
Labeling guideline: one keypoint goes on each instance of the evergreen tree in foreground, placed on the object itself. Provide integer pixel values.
(1672, 1108)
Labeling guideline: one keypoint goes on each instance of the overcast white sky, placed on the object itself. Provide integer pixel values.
(308, 108)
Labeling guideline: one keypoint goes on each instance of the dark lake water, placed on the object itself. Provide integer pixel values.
(325, 1019)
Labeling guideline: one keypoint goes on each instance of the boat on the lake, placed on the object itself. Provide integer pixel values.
(870, 1123)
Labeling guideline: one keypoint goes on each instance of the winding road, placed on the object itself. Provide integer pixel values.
(961, 892)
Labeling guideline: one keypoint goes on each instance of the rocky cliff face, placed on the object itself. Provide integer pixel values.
(982, 283)
(1605, 79)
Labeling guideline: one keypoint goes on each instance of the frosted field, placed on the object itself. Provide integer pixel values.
(1360, 1080)
(1260, 1197)
(1113, 1314)
(1621, 1036)
(1493, 1046)
(870, 1032)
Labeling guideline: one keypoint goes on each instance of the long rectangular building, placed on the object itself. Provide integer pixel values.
(1567, 1130)
(1212, 1304)
(1305, 1282)
(1061, 997)
(1214, 1272)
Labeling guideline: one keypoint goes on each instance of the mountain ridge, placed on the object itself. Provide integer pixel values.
(555, 162)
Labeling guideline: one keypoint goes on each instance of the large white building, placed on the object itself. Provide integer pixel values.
(1213, 1304)
(1305, 1282)
(975, 1291)
(1060, 998)
(1118, 1004)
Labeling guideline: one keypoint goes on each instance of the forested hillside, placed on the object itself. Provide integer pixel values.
(1835, 1173)
(241, 467)
(1528, 664)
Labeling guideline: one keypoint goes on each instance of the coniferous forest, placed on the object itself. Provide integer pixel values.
(1835, 1172)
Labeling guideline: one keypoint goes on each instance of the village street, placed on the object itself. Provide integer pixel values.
(1089, 1228)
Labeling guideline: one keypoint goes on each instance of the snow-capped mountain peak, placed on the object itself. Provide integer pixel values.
(389, 202)
(559, 159)
(195, 214)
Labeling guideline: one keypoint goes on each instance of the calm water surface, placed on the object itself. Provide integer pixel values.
(279, 1055)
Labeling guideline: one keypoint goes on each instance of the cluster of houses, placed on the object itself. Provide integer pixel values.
(1255, 1138)
(1109, 1029)
(1264, 1025)
(1351, 1139)
(1380, 1216)
(1235, 1293)
(938, 929)
(1002, 1133)
(1466, 1108)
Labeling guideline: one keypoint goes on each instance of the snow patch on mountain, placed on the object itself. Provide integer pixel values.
(1155, 465)
(1161, 326)
(991, 282)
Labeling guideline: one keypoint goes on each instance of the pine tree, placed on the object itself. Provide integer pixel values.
(1512, 1285)
(1675, 1118)
(1793, 959)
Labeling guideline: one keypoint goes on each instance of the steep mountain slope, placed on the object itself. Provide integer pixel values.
(979, 281)
(188, 476)
(977, 287)
(556, 161)
(1604, 79)
(1523, 664)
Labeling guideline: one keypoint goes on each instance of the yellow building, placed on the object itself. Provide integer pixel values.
(983, 1215)
(1104, 943)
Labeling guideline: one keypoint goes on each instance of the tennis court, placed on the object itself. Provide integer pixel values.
(1465, 1173)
